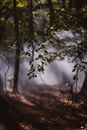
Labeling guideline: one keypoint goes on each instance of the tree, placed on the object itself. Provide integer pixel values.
(51, 13)
(30, 20)
(1, 84)
(83, 91)
(59, 19)
(17, 42)
(70, 3)
(78, 4)
(64, 2)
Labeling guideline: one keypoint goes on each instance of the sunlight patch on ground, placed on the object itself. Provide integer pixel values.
(25, 126)
(83, 127)
(83, 115)
(21, 98)
(65, 100)
(71, 103)
(70, 117)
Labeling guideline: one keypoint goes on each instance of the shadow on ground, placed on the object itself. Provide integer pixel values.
(41, 110)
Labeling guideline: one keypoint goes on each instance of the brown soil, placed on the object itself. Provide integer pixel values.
(42, 110)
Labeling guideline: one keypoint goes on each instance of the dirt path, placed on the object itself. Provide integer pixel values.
(40, 111)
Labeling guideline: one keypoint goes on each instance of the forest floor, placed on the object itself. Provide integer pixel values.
(42, 110)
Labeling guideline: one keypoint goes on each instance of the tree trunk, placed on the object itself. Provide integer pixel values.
(85, 2)
(63, 1)
(30, 20)
(51, 11)
(17, 40)
(78, 4)
(83, 91)
(1, 85)
(70, 3)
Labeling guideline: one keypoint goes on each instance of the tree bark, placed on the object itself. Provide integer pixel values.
(1, 85)
(70, 3)
(78, 4)
(85, 2)
(64, 2)
(51, 11)
(30, 19)
(83, 91)
(17, 40)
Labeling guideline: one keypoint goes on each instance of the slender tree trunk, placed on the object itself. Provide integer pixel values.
(85, 2)
(51, 11)
(70, 3)
(17, 57)
(64, 3)
(84, 88)
(78, 4)
(30, 19)
(1, 85)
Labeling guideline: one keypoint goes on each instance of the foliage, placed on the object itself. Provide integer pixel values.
(68, 18)
(37, 59)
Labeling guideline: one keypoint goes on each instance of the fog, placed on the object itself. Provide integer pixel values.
(56, 76)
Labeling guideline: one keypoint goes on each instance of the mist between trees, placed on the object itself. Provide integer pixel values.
(39, 33)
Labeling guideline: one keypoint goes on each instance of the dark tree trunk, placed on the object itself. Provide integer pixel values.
(70, 3)
(1, 85)
(30, 19)
(83, 91)
(51, 11)
(78, 4)
(85, 2)
(17, 40)
(64, 3)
